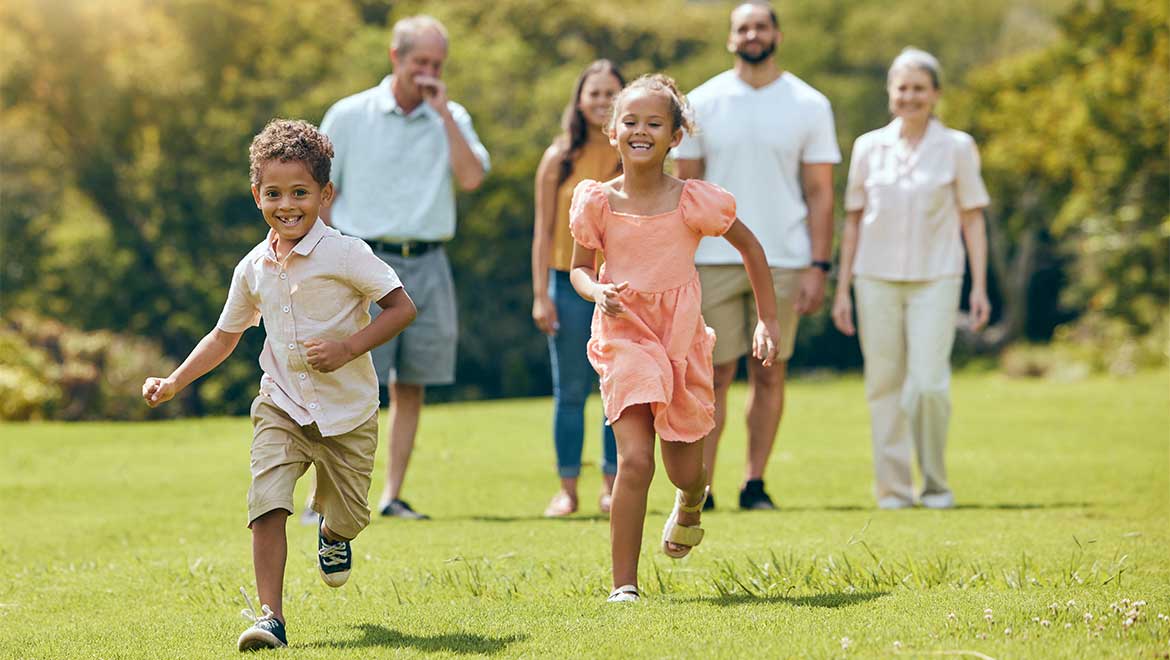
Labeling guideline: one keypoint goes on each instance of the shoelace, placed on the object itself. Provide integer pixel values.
(250, 612)
(334, 554)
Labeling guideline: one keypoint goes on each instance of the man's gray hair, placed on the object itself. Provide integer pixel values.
(407, 30)
(916, 58)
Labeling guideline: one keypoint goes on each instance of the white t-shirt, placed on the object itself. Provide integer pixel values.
(753, 142)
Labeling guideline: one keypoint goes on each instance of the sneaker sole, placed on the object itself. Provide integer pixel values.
(334, 580)
(254, 640)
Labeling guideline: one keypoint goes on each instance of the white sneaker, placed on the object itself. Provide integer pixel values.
(891, 502)
(939, 500)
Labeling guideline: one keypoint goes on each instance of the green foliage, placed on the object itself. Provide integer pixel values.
(125, 127)
(50, 371)
(1074, 147)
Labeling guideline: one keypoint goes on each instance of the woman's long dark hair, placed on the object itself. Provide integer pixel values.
(576, 129)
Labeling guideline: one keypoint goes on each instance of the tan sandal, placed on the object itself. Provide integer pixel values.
(683, 535)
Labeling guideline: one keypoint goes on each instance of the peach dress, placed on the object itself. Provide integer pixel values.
(659, 351)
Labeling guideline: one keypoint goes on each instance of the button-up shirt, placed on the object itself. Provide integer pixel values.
(910, 201)
(321, 290)
(392, 170)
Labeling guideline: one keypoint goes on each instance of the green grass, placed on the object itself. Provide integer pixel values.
(128, 540)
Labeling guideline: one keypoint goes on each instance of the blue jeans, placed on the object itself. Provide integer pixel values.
(573, 377)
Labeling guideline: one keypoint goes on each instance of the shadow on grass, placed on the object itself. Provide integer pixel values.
(1022, 506)
(816, 600)
(460, 643)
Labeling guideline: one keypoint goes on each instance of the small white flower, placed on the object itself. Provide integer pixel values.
(1071, 603)
(988, 617)
(1139, 603)
(845, 643)
(1035, 619)
(1067, 626)
(1007, 631)
(1088, 617)
(1128, 622)
(952, 617)
(897, 645)
(987, 611)
(1046, 623)
(1054, 606)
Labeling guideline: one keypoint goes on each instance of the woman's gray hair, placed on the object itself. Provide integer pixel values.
(916, 58)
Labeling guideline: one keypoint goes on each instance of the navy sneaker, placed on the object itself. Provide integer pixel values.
(754, 497)
(334, 559)
(400, 509)
(267, 632)
(709, 503)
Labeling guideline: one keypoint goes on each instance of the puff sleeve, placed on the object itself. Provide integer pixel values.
(585, 214)
(707, 208)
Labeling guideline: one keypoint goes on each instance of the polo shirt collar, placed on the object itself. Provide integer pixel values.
(389, 104)
(303, 246)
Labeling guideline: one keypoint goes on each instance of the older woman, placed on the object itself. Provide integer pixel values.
(582, 151)
(913, 197)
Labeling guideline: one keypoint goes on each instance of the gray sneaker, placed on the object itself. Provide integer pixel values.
(400, 509)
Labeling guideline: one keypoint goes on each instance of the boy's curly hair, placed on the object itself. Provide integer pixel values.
(292, 139)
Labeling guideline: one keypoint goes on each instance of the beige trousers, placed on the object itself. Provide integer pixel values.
(907, 330)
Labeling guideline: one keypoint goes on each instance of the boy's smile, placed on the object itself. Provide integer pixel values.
(290, 200)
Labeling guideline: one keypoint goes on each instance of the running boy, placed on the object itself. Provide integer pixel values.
(318, 401)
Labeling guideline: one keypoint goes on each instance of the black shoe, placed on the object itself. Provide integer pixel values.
(753, 496)
(333, 559)
(400, 509)
(709, 505)
(267, 632)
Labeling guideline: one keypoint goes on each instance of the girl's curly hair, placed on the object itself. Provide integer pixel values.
(292, 139)
(681, 114)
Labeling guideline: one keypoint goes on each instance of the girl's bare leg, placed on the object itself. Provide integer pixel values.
(634, 432)
(684, 467)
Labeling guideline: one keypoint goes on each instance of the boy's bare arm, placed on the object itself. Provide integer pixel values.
(211, 350)
(398, 311)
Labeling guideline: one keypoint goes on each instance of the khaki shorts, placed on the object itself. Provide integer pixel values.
(282, 451)
(730, 309)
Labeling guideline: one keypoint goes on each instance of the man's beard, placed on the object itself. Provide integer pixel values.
(756, 59)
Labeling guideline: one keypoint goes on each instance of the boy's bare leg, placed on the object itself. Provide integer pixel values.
(405, 407)
(684, 468)
(269, 553)
(724, 375)
(634, 432)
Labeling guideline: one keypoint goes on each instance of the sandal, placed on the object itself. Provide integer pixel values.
(561, 505)
(683, 535)
(605, 503)
(627, 593)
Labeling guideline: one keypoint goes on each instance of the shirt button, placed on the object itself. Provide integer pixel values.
(302, 376)
(284, 276)
(284, 309)
(292, 347)
(312, 406)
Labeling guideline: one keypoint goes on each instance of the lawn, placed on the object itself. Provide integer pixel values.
(128, 541)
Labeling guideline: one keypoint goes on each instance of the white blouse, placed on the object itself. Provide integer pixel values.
(910, 201)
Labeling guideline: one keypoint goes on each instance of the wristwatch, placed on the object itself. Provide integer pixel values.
(823, 265)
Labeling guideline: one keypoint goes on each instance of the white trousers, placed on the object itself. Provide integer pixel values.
(907, 330)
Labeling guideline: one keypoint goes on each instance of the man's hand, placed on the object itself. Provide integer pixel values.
(607, 298)
(326, 356)
(980, 309)
(158, 390)
(812, 290)
(433, 90)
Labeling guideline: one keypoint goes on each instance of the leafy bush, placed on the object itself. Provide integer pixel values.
(51, 371)
(1093, 344)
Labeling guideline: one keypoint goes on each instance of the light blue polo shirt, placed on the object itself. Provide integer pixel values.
(393, 170)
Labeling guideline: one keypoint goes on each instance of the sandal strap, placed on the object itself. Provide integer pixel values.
(626, 589)
(683, 506)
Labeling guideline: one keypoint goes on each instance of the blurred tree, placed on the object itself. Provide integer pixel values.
(1074, 143)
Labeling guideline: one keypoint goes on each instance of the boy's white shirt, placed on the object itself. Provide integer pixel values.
(322, 290)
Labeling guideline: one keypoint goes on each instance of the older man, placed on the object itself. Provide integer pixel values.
(400, 148)
(768, 138)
